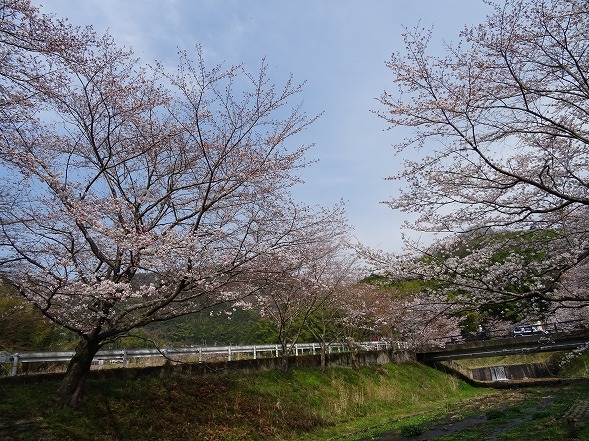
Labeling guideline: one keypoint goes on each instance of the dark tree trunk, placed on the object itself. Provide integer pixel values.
(323, 352)
(353, 349)
(284, 359)
(72, 385)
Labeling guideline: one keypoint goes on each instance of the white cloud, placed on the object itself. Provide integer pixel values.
(339, 46)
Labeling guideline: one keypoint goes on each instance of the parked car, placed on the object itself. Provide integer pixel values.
(521, 330)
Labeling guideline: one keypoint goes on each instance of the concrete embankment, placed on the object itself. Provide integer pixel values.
(513, 372)
(504, 376)
(343, 359)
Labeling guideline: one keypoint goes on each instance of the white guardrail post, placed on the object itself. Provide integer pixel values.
(14, 364)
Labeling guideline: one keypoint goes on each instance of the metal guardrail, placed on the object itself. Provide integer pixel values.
(124, 355)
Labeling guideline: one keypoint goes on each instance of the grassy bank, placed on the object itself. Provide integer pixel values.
(304, 404)
(576, 367)
(507, 360)
(547, 413)
(255, 406)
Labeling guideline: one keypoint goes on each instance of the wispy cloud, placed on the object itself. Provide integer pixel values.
(338, 46)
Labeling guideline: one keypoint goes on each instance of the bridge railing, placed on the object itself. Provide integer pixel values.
(198, 353)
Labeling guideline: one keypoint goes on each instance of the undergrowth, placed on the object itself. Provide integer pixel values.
(268, 405)
(303, 404)
(578, 367)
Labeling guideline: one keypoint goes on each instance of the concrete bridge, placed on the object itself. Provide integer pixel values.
(529, 344)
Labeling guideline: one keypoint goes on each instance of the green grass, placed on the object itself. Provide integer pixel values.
(255, 406)
(521, 415)
(508, 360)
(577, 368)
(503, 414)
(303, 404)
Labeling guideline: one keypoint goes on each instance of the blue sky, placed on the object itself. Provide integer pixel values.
(338, 47)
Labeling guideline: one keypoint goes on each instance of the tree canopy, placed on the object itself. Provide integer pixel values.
(499, 143)
(133, 194)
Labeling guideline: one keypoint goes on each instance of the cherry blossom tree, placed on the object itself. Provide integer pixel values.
(303, 284)
(398, 313)
(423, 320)
(355, 313)
(499, 147)
(322, 324)
(132, 194)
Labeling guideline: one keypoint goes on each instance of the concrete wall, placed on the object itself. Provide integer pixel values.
(369, 358)
(512, 372)
(502, 376)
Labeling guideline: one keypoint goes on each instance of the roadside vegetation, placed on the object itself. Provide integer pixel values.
(554, 413)
(403, 400)
(256, 406)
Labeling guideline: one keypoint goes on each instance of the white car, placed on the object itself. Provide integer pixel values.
(528, 330)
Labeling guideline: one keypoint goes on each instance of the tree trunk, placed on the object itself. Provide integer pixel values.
(284, 361)
(72, 385)
(352, 348)
(323, 352)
